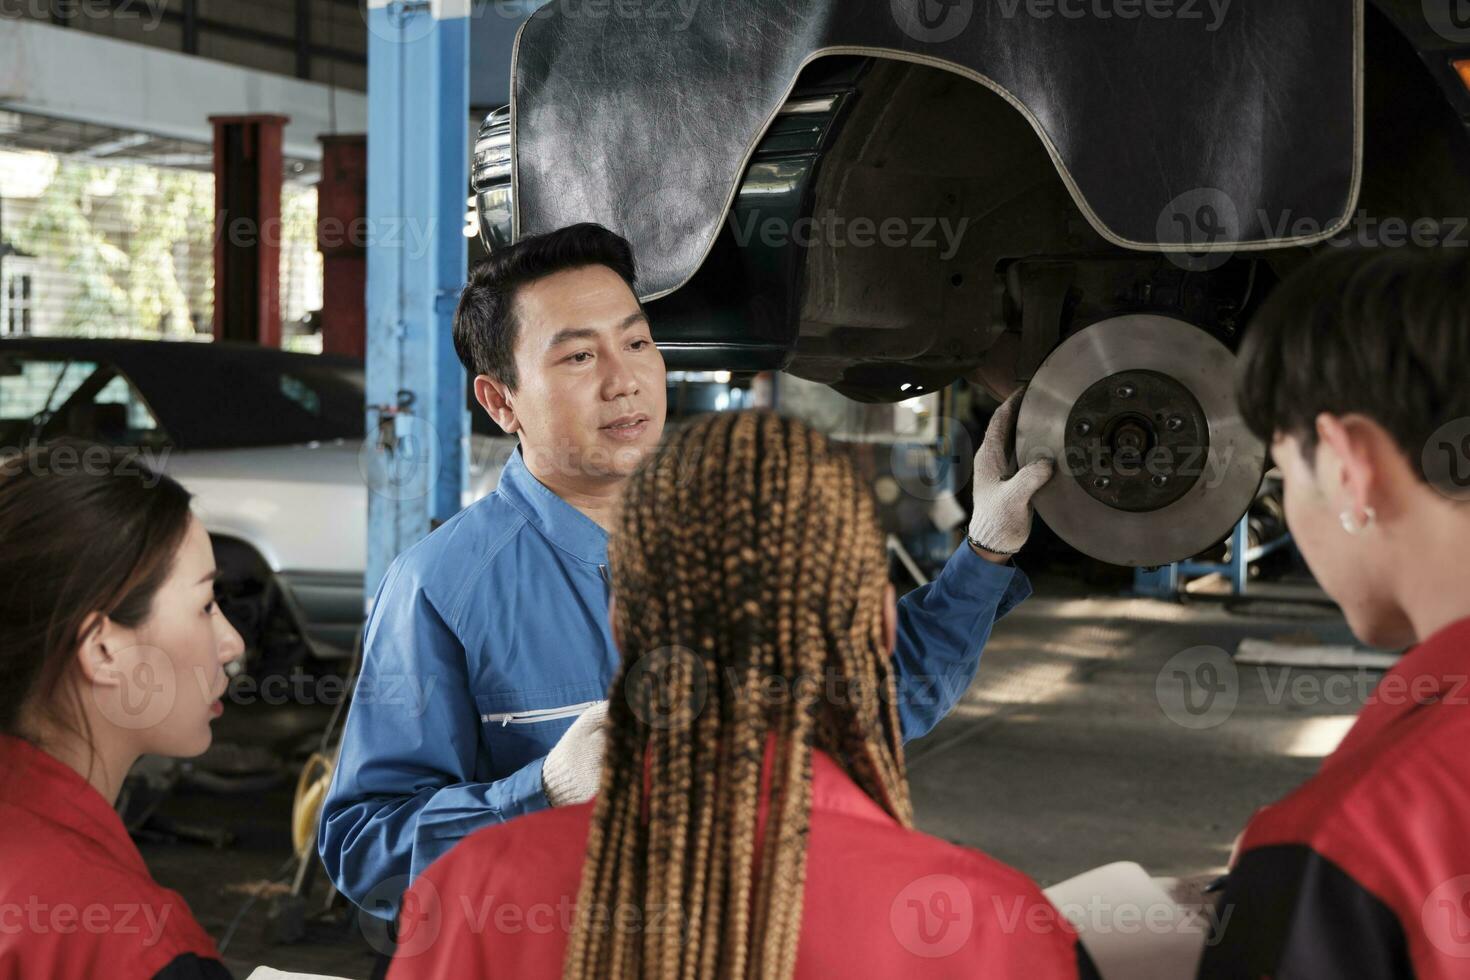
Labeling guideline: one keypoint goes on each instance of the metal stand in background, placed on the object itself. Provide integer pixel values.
(1168, 581)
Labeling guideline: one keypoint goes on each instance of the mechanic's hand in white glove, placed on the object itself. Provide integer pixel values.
(1002, 519)
(573, 767)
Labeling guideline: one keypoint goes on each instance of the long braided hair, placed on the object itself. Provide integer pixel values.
(749, 572)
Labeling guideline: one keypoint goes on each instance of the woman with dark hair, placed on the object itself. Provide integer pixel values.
(1355, 370)
(753, 818)
(111, 647)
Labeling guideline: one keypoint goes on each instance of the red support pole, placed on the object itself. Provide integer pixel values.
(247, 240)
(342, 238)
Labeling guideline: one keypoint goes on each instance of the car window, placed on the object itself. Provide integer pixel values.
(29, 388)
(301, 392)
(133, 414)
(225, 397)
(31, 391)
(189, 396)
(45, 398)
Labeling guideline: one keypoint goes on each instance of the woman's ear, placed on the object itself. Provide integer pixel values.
(97, 650)
(890, 617)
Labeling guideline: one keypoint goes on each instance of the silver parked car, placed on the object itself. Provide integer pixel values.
(268, 442)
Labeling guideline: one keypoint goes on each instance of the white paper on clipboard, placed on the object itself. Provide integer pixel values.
(1131, 927)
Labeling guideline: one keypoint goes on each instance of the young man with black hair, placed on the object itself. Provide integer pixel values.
(1356, 371)
(504, 609)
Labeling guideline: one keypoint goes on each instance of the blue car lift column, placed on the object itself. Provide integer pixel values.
(1168, 581)
(415, 456)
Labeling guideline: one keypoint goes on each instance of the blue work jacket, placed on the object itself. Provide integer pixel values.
(486, 640)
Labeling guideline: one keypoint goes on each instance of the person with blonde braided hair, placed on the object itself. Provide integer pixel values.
(753, 818)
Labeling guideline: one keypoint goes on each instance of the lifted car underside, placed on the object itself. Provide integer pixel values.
(898, 225)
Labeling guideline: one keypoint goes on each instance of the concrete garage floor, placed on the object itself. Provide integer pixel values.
(1060, 758)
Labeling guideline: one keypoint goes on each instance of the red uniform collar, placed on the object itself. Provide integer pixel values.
(37, 781)
(1435, 671)
(833, 790)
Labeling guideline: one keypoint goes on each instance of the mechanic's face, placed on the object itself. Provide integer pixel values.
(591, 398)
(1348, 567)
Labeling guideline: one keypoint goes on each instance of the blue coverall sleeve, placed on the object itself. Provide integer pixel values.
(404, 792)
(942, 627)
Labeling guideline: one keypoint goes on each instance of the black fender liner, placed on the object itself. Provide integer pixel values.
(643, 114)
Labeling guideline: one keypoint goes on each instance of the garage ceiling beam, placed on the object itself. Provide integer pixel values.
(85, 77)
(192, 25)
(108, 147)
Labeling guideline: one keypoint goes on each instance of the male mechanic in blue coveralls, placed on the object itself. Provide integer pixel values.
(501, 615)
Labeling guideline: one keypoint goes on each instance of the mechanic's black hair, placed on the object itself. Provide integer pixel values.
(1384, 333)
(485, 324)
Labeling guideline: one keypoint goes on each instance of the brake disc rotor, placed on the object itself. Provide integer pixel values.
(1154, 463)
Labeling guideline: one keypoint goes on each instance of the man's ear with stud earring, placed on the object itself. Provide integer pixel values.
(1334, 432)
(1350, 523)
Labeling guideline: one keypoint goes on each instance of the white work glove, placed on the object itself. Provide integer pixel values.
(1002, 518)
(573, 767)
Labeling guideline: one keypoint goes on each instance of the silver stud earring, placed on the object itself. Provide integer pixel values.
(1351, 525)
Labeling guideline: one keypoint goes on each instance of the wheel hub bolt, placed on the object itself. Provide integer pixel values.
(1126, 391)
(1175, 423)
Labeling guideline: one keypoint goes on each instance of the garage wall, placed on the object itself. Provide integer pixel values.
(101, 249)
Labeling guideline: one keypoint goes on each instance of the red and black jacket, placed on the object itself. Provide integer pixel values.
(880, 901)
(76, 899)
(1365, 870)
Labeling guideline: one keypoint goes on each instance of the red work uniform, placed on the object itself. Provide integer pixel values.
(881, 901)
(76, 899)
(1365, 870)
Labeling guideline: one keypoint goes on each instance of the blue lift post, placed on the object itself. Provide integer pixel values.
(415, 457)
(1168, 581)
